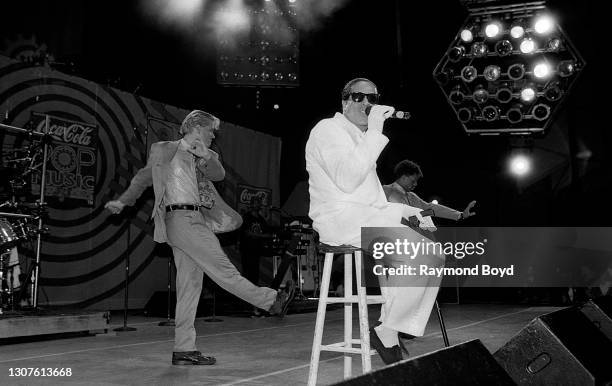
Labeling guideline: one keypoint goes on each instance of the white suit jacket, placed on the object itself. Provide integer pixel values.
(345, 192)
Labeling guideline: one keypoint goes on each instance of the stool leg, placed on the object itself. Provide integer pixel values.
(318, 335)
(364, 326)
(348, 312)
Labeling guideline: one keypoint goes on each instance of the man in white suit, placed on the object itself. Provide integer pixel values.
(346, 195)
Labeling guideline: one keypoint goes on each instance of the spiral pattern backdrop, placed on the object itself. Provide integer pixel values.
(84, 254)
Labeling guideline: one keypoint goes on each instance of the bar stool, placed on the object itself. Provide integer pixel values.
(348, 299)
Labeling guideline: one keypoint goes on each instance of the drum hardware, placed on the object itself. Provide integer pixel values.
(32, 158)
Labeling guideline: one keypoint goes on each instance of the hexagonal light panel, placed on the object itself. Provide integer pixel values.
(508, 69)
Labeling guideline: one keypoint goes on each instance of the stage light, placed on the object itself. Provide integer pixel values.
(278, 76)
(469, 73)
(541, 112)
(456, 97)
(517, 31)
(479, 49)
(492, 30)
(435, 202)
(224, 75)
(565, 68)
(480, 95)
(467, 36)
(504, 95)
(490, 113)
(292, 1)
(503, 47)
(264, 60)
(491, 73)
(541, 70)
(527, 46)
(543, 25)
(456, 53)
(464, 114)
(553, 92)
(264, 76)
(516, 71)
(508, 68)
(276, 106)
(514, 114)
(238, 76)
(292, 76)
(519, 165)
(528, 94)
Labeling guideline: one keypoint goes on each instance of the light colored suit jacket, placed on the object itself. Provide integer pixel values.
(220, 218)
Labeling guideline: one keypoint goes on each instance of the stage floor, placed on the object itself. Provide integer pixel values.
(265, 351)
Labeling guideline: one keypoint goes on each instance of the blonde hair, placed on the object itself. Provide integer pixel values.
(198, 118)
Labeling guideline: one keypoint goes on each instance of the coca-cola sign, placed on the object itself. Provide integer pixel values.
(75, 133)
(72, 169)
(247, 192)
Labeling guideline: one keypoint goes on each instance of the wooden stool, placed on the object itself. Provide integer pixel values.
(348, 299)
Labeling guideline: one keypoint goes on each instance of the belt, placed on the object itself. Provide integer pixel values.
(170, 208)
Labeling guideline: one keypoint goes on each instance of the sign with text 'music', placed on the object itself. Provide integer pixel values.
(71, 166)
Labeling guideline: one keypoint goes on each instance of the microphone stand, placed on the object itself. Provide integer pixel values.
(169, 322)
(127, 279)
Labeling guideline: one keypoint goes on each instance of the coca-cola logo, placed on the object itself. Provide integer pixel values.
(246, 195)
(74, 133)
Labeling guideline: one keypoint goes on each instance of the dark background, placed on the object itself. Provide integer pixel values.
(113, 42)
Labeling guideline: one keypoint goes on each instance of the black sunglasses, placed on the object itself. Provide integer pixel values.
(358, 97)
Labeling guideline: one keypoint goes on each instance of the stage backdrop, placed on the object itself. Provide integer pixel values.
(84, 254)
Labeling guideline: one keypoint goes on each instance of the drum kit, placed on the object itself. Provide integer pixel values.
(297, 239)
(21, 218)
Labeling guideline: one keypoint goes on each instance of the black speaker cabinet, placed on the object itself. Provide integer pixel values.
(468, 363)
(564, 347)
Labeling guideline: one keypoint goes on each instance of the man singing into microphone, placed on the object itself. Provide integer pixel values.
(346, 195)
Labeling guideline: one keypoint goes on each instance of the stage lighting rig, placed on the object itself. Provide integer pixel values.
(508, 69)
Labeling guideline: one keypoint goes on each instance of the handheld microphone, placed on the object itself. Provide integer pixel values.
(396, 114)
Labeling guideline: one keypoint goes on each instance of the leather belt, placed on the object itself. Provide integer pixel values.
(170, 208)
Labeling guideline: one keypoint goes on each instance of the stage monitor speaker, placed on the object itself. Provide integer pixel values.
(599, 312)
(469, 363)
(560, 348)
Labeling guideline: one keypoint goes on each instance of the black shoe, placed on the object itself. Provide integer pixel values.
(283, 299)
(389, 355)
(191, 358)
(401, 337)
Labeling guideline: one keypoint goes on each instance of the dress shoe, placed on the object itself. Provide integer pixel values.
(191, 358)
(388, 355)
(401, 337)
(283, 298)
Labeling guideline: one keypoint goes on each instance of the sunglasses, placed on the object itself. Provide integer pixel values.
(358, 97)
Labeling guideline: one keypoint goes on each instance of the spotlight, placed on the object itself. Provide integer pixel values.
(517, 31)
(514, 115)
(516, 71)
(480, 95)
(265, 76)
(543, 25)
(541, 70)
(434, 202)
(238, 75)
(527, 46)
(466, 35)
(224, 75)
(541, 112)
(554, 44)
(519, 165)
(278, 76)
(464, 114)
(469, 73)
(292, 76)
(264, 60)
(566, 68)
(456, 53)
(491, 73)
(479, 49)
(492, 30)
(553, 93)
(456, 97)
(503, 47)
(490, 113)
(528, 94)
(504, 95)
